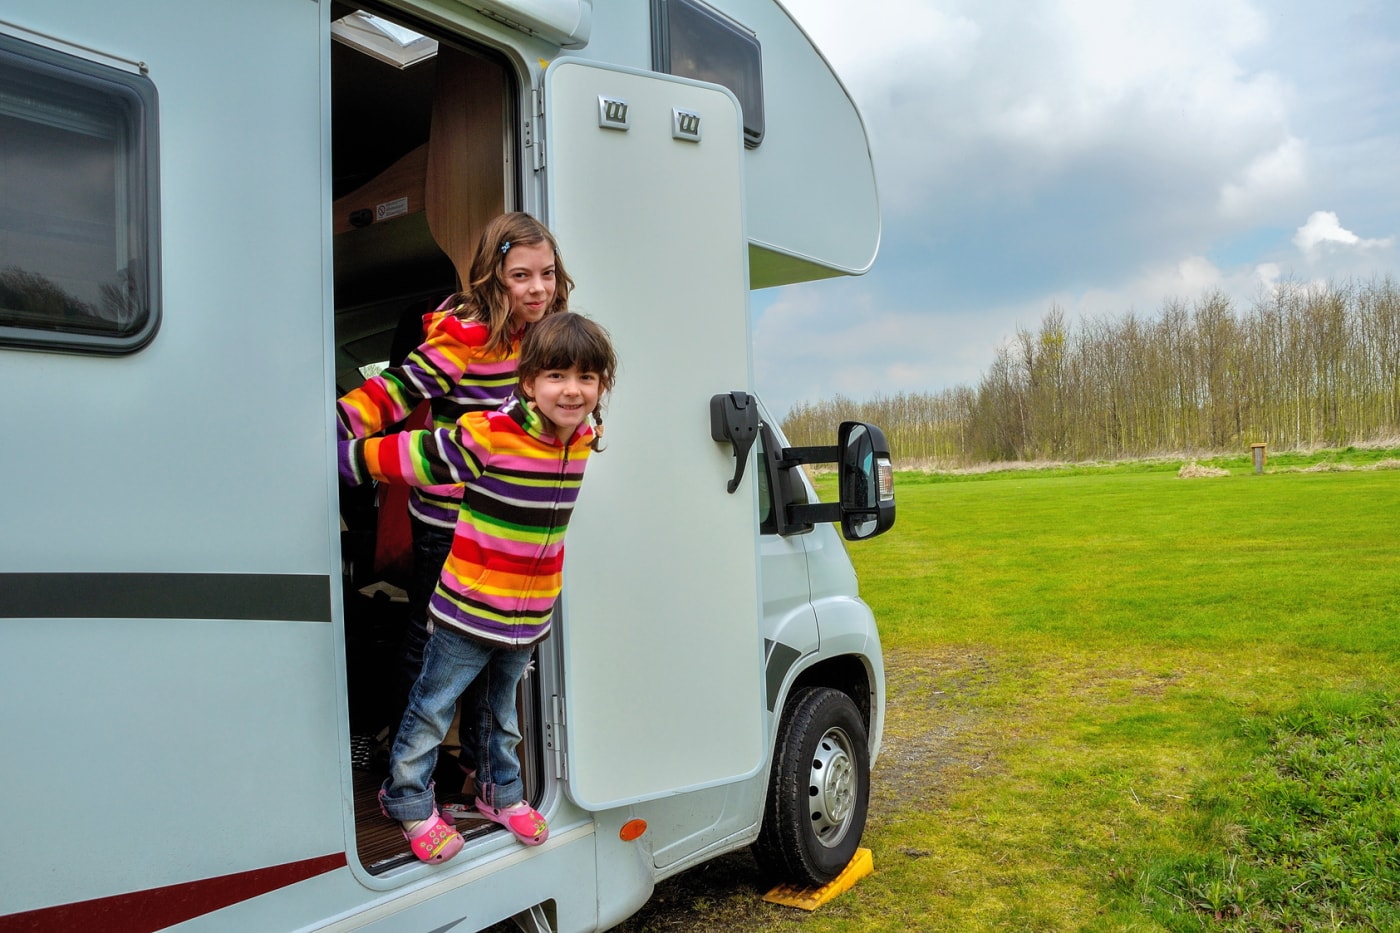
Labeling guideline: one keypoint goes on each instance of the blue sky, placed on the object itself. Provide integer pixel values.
(1103, 156)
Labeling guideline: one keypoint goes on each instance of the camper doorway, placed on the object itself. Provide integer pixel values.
(423, 156)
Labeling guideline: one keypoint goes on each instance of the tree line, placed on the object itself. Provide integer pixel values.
(1305, 366)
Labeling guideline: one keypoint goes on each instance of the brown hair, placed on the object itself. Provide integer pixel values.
(484, 298)
(566, 340)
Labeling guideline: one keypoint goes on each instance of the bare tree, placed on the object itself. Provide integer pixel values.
(1306, 365)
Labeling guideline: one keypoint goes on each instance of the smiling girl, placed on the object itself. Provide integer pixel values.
(521, 468)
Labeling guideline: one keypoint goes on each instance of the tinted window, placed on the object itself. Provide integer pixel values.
(77, 203)
(691, 40)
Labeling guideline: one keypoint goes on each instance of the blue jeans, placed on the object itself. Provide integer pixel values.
(451, 663)
(431, 545)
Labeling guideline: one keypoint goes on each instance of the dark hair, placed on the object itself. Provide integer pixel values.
(485, 298)
(566, 340)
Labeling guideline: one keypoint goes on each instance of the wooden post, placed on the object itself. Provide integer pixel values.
(1261, 453)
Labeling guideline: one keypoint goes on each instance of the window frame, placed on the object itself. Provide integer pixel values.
(129, 100)
(750, 96)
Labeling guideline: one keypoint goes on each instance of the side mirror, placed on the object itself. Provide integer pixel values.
(866, 481)
(865, 484)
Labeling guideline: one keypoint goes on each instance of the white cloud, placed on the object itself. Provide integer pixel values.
(865, 49)
(1272, 176)
(813, 342)
(979, 100)
(1144, 293)
(1149, 71)
(1324, 231)
(1194, 275)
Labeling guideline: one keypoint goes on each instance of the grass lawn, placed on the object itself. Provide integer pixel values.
(1119, 675)
(1122, 700)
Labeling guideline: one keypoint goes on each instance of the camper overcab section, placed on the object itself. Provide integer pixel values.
(216, 218)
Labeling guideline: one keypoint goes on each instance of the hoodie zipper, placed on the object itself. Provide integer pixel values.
(553, 522)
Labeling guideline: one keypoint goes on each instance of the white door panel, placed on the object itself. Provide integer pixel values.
(660, 619)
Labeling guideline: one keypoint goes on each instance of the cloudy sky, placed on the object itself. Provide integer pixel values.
(1099, 155)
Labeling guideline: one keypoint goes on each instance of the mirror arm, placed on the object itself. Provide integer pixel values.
(790, 457)
(814, 513)
(811, 513)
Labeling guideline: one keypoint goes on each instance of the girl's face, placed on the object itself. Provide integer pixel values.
(565, 397)
(529, 275)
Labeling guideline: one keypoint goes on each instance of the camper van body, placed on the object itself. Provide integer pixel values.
(178, 653)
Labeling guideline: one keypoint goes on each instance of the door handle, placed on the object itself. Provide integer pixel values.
(734, 418)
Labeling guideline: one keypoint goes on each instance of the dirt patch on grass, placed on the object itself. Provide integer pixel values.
(927, 717)
(1154, 685)
(922, 757)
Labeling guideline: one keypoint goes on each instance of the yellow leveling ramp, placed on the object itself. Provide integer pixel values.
(860, 865)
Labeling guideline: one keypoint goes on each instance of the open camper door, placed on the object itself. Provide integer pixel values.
(660, 613)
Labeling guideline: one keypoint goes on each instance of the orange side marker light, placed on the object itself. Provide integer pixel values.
(632, 830)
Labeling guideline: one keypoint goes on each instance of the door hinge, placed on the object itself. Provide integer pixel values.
(534, 128)
(555, 737)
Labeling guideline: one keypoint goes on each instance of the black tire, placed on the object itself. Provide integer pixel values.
(818, 791)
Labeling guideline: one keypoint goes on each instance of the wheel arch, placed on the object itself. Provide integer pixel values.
(852, 674)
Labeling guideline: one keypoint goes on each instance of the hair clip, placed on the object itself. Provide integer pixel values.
(505, 247)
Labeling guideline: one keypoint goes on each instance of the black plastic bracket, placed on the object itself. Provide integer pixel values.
(805, 515)
(795, 456)
(734, 418)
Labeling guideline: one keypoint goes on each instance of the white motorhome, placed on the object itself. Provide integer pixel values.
(212, 218)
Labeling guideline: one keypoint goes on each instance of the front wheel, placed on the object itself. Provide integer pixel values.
(818, 790)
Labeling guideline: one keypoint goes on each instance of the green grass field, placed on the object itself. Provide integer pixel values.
(1119, 700)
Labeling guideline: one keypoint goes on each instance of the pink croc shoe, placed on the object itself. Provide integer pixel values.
(434, 840)
(520, 818)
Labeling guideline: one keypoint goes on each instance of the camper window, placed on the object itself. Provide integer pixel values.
(692, 40)
(77, 181)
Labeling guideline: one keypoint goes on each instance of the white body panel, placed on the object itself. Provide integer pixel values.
(241, 233)
(146, 464)
(567, 23)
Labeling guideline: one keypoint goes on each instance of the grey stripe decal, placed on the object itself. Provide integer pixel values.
(270, 596)
(780, 658)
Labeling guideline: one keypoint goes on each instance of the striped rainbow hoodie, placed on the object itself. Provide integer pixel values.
(505, 571)
(453, 368)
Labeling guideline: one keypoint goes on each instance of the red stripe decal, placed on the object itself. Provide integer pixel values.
(157, 908)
